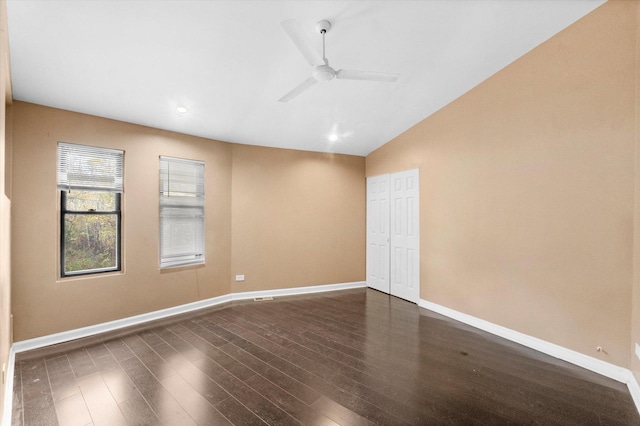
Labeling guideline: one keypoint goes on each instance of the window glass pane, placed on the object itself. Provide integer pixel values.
(91, 201)
(90, 242)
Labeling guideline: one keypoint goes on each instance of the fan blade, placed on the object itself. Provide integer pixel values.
(302, 42)
(366, 75)
(298, 89)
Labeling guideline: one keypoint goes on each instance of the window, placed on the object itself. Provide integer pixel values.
(90, 184)
(181, 212)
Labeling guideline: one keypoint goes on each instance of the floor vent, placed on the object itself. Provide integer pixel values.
(261, 299)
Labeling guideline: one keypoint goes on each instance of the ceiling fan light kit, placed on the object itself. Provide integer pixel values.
(322, 71)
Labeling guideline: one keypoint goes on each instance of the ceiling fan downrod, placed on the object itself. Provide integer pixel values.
(323, 72)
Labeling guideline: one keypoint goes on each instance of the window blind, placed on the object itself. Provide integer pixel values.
(89, 168)
(181, 212)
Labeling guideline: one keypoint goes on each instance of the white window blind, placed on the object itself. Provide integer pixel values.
(89, 168)
(181, 212)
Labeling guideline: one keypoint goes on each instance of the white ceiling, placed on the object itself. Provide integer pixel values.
(229, 62)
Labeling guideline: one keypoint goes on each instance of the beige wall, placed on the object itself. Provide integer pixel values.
(5, 211)
(298, 218)
(282, 234)
(635, 330)
(527, 186)
(44, 304)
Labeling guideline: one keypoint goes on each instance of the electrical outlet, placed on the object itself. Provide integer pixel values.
(239, 277)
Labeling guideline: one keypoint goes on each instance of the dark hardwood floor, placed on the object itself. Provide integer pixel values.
(354, 357)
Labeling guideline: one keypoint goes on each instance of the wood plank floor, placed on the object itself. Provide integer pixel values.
(354, 357)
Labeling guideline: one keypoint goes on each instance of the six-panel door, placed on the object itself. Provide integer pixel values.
(393, 234)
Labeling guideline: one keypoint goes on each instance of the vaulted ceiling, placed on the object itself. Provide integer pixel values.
(228, 62)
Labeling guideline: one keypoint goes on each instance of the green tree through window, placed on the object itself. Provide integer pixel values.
(90, 226)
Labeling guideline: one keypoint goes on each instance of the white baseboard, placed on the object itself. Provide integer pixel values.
(297, 290)
(79, 333)
(66, 336)
(601, 367)
(604, 368)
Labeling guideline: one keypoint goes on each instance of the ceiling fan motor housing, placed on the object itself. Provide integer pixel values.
(324, 73)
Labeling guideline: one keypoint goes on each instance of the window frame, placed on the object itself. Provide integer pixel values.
(91, 169)
(63, 214)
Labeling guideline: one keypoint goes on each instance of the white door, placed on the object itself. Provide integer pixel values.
(393, 234)
(405, 235)
(378, 233)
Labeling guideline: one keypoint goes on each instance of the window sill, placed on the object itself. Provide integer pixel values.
(178, 268)
(84, 277)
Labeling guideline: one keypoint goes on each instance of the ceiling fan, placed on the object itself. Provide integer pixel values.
(321, 69)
